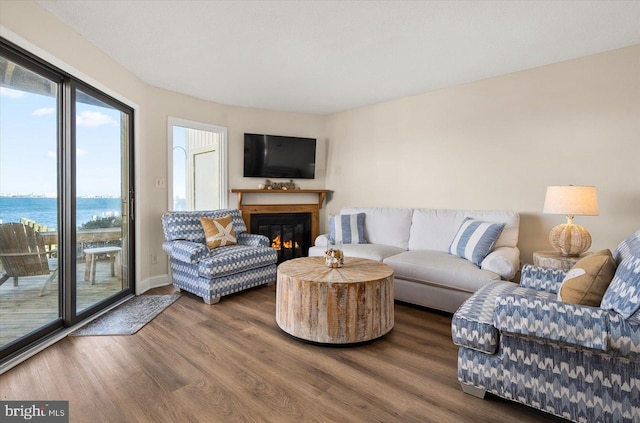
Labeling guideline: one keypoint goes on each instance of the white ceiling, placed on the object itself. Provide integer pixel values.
(329, 56)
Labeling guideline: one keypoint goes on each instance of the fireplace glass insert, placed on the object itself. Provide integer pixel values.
(289, 233)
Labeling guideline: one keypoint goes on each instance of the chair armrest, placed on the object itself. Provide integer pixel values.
(185, 251)
(542, 278)
(25, 254)
(505, 261)
(552, 320)
(624, 336)
(253, 240)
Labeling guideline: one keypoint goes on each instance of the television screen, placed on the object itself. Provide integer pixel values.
(274, 156)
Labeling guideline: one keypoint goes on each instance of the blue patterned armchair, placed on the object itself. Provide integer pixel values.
(211, 274)
(577, 362)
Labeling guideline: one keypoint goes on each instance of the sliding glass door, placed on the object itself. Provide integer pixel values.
(101, 134)
(66, 196)
(29, 198)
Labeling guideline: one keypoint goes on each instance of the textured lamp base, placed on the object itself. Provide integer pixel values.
(572, 240)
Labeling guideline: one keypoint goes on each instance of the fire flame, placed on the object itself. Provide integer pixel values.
(278, 244)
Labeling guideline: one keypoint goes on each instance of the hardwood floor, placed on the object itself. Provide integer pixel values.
(231, 363)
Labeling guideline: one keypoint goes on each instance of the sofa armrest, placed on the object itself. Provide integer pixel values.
(505, 261)
(542, 278)
(185, 251)
(322, 240)
(253, 240)
(552, 320)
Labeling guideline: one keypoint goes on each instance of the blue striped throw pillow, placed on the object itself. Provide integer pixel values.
(475, 239)
(348, 228)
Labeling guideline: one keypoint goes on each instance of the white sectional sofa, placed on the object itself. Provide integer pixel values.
(415, 243)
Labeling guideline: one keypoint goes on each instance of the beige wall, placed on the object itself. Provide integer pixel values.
(494, 144)
(33, 28)
(498, 143)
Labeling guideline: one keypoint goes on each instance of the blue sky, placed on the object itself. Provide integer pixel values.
(28, 146)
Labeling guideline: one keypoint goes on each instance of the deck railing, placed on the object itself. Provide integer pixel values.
(85, 238)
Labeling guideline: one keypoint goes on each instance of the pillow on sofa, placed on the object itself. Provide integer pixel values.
(475, 239)
(623, 295)
(347, 228)
(588, 279)
(218, 232)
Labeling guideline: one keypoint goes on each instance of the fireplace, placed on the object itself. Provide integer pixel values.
(289, 233)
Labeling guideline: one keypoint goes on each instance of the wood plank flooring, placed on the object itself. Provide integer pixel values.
(231, 363)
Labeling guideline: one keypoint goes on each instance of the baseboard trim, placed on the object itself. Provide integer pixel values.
(152, 282)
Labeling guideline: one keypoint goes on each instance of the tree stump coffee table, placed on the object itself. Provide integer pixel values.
(344, 305)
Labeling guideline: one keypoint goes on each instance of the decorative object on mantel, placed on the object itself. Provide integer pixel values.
(278, 185)
(572, 240)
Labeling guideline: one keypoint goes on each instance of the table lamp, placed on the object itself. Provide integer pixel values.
(572, 240)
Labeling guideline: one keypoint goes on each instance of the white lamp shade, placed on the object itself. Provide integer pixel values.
(571, 200)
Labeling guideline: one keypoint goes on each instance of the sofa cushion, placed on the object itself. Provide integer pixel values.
(347, 228)
(218, 232)
(439, 269)
(539, 315)
(385, 225)
(433, 229)
(623, 294)
(473, 324)
(588, 279)
(377, 252)
(475, 239)
(511, 231)
(233, 259)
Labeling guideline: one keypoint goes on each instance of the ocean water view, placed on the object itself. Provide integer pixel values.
(43, 210)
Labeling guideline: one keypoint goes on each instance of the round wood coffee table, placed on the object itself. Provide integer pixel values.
(348, 305)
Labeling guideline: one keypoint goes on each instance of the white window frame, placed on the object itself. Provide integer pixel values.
(224, 159)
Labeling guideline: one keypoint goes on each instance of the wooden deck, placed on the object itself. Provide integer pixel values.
(23, 310)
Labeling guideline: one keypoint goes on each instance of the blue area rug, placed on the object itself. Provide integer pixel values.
(128, 318)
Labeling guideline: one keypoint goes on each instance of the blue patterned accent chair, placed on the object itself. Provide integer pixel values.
(578, 362)
(211, 274)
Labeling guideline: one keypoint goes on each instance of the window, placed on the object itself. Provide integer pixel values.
(197, 166)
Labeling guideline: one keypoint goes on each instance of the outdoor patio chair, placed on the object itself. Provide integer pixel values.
(22, 253)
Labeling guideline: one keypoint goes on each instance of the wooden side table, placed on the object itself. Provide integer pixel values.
(346, 305)
(92, 254)
(555, 259)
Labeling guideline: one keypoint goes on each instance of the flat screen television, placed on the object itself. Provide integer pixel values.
(275, 156)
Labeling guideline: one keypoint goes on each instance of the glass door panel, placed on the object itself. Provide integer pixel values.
(101, 200)
(29, 277)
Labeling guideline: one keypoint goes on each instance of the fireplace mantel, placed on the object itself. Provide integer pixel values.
(248, 209)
